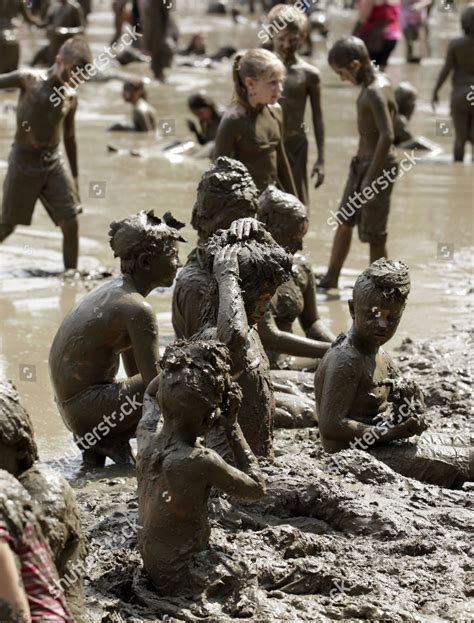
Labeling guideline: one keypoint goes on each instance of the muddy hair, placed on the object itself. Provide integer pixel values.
(467, 20)
(256, 63)
(290, 18)
(76, 51)
(404, 89)
(142, 233)
(226, 192)
(389, 279)
(346, 50)
(188, 367)
(136, 84)
(276, 207)
(260, 259)
(16, 429)
(201, 100)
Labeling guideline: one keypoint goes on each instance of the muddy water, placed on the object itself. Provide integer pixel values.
(430, 226)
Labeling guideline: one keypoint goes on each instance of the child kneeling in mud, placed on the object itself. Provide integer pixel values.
(362, 399)
(175, 472)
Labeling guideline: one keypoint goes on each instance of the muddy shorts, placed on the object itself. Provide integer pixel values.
(370, 216)
(34, 175)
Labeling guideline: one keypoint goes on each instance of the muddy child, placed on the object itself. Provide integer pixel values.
(51, 494)
(363, 401)
(302, 84)
(252, 128)
(64, 19)
(176, 472)
(9, 44)
(405, 96)
(376, 109)
(460, 61)
(143, 114)
(209, 115)
(110, 323)
(36, 169)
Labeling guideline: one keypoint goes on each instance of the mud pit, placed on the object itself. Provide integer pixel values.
(347, 543)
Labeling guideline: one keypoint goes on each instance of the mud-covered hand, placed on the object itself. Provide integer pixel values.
(410, 427)
(226, 263)
(230, 406)
(243, 228)
(318, 172)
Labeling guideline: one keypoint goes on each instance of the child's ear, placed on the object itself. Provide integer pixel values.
(355, 65)
(249, 83)
(351, 308)
(143, 262)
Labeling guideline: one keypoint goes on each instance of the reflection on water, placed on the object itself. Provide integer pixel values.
(431, 208)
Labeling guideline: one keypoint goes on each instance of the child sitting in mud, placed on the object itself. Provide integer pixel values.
(28, 575)
(460, 61)
(252, 129)
(35, 166)
(302, 83)
(143, 115)
(405, 96)
(114, 321)
(51, 495)
(372, 173)
(176, 472)
(361, 398)
(209, 115)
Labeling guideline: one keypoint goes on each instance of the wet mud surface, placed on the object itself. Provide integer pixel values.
(337, 537)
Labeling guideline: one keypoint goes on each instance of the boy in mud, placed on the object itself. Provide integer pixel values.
(143, 115)
(176, 472)
(376, 109)
(361, 398)
(302, 83)
(64, 19)
(36, 169)
(114, 321)
(460, 60)
(53, 497)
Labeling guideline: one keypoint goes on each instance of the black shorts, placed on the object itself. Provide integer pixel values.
(34, 175)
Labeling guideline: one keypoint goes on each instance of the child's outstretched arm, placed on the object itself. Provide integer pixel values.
(13, 80)
(384, 126)
(443, 74)
(318, 126)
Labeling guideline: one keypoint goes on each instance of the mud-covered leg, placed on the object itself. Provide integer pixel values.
(70, 229)
(340, 250)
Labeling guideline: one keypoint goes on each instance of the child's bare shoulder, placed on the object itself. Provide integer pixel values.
(311, 72)
(343, 356)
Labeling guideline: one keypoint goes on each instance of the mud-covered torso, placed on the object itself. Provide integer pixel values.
(366, 124)
(294, 98)
(462, 51)
(191, 286)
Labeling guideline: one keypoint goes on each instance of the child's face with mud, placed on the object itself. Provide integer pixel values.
(287, 42)
(256, 303)
(290, 233)
(350, 73)
(162, 267)
(376, 318)
(266, 89)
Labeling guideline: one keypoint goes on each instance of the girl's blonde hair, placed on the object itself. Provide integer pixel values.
(256, 63)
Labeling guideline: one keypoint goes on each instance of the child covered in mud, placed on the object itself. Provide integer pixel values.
(110, 323)
(374, 169)
(28, 575)
(209, 115)
(286, 219)
(9, 44)
(143, 115)
(302, 84)
(64, 19)
(176, 472)
(252, 129)
(460, 61)
(51, 494)
(35, 167)
(363, 401)
(405, 96)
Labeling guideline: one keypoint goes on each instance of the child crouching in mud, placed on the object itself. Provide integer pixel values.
(362, 399)
(176, 472)
(252, 129)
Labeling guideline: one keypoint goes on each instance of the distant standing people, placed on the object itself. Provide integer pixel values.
(252, 129)
(414, 20)
(378, 25)
(64, 20)
(460, 61)
(161, 35)
(9, 44)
